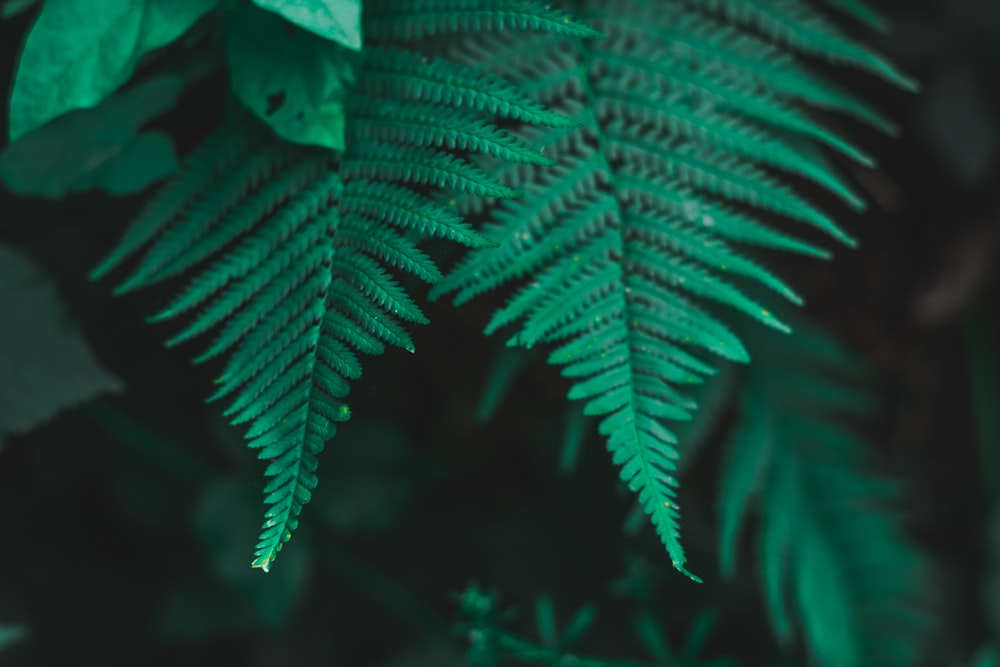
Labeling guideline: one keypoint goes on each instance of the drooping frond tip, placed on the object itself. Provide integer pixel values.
(290, 250)
(689, 115)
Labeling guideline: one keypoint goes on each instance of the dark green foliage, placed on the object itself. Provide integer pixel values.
(45, 358)
(298, 241)
(680, 107)
(620, 171)
(97, 148)
(834, 563)
(481, 622)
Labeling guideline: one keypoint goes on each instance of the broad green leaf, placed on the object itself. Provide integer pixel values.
(336, 20)
(96, 148)
(293, 80)
(80, 51)
(46, 364)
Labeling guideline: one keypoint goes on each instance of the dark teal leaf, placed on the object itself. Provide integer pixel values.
(545, 617)
(47, 365)
(297, 84)
(148, 159)
(96, 148)
(80, 51)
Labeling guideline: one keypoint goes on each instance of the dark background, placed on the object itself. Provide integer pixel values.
(128, 523)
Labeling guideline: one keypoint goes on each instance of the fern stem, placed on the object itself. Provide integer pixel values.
(661, 511)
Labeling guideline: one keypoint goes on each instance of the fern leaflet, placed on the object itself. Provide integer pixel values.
(293, 247)
(831, 553)
(689, 113)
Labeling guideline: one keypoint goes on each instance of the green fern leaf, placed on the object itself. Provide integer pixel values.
(860, 10)
(832, 556)
(687, 112)
(411, 20)
(292, 294)
(407, 74)
(289, 251)
(798, 24)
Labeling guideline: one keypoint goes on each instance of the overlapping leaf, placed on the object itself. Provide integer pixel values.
(80, 51)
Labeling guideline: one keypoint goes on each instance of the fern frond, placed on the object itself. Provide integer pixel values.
(799, 25)
(425, 125)
(685, 125)
(278, 273)
(833, 557)
(860, 10)
(399, 74)
(749, 62)
(386, 162)
(210, 161)
(289, 251)
(416, 19)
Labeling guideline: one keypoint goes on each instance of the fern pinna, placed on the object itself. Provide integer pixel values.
(294, 245)
(835, 566)
(692, 114)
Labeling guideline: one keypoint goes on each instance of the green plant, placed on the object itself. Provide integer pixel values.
(621, 168)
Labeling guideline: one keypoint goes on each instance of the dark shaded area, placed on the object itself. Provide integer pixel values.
(128, 523)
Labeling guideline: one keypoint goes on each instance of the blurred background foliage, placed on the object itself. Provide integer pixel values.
(128, 516)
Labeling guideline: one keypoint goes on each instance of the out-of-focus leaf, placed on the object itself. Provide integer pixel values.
(370, 479)
(959, 124)
(986, 657)
(12, 8)
(10, 634)
(80, 51)
(575, 432)
(96, 148)
(144, 161)
(298, 85)
(45, 364)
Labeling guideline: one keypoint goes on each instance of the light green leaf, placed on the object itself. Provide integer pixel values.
(47, 366)
(96, 148)
(336, 20)
(294, 81)
(80, 51)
